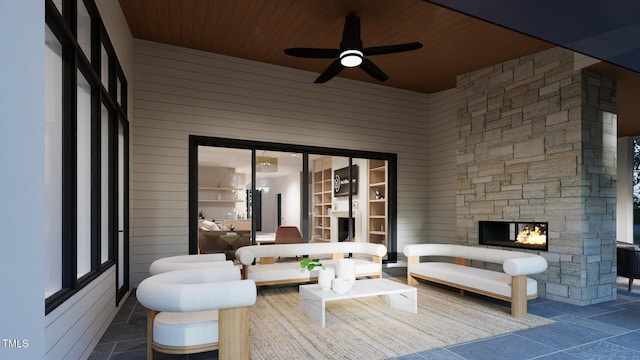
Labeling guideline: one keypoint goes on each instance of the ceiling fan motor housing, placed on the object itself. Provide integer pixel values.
(351, 58)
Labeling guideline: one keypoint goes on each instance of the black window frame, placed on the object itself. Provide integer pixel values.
(74, 60)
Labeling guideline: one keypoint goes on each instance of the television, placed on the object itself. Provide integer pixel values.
(341, 181)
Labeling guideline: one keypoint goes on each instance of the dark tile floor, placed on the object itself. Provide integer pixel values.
(603, 331)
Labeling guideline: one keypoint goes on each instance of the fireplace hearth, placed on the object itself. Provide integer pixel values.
(520, 234)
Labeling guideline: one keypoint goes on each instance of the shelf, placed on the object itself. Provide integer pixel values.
(377, 207)
(322, 198)
(225, 195)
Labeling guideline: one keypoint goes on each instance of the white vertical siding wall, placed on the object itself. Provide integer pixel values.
(440, 222)
(73, 329)
(179, 92)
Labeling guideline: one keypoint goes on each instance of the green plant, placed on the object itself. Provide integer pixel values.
(310, 264)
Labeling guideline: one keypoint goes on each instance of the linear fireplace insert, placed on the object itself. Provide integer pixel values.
(518, 234)
(343, 228)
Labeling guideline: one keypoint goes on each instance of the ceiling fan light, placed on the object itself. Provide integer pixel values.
(351, 58)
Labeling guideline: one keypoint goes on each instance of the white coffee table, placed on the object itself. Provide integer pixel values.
(397, 295)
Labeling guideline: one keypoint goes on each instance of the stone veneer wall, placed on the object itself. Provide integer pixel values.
(537, 142)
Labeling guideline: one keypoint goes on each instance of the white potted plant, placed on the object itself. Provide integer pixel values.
(325, 275)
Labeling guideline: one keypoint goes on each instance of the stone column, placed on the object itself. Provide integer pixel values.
(537, 142)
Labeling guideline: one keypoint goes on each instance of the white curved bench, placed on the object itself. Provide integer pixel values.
(512, 285)
(268, 272)
(184, 262)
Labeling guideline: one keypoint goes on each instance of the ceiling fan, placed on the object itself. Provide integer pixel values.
(351, 53)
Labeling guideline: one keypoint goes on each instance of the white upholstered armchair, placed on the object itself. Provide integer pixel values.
(197, 310)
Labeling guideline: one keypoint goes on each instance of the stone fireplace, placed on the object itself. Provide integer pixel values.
(537, 143)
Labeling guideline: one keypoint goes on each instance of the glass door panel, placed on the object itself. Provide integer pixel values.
(224, 180)
(279, 181)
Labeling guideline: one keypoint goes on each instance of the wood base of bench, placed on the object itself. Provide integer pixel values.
(518, 286)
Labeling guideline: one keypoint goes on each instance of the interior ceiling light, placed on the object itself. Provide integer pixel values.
(266, 163)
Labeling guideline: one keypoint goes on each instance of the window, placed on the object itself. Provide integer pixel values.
(105, 186)
(53, 161)
(83, 33)
(636, 190)
(83, 180)
(104, 66)
(86, 153)
(58, 4)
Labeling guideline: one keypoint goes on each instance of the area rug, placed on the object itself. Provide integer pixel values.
(368, 328)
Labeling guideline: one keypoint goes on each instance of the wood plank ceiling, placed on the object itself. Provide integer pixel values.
(260, 29)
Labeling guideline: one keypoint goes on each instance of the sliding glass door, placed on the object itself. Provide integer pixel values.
(248, 190)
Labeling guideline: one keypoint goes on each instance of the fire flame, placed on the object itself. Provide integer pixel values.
(532, 237)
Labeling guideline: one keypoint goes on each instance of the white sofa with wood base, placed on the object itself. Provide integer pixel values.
(512, 285)
(258, 261)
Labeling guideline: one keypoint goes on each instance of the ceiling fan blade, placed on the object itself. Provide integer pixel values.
(370, 68)
(351, 33)
(333, 70)
(313, 53)
(390, 49)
